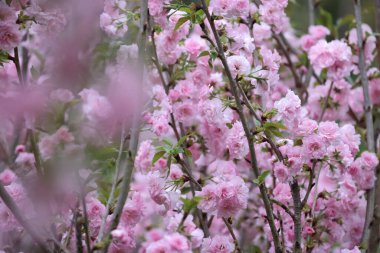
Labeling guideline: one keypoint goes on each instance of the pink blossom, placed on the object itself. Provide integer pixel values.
(289, 106)
(236, 141)
(374, 86)
(95, 107)
(307, 127)
(281, 172)
(307, 41)
(318, 31)
(229, 8)
(313, 146)
(47, 146)
(156, 186)
(7, 177)
(232, 197)
(348, 136)
(328, 130)
(160, 246)
(354, 250)
(238, 65)
(261, 32)
(368, 160)
(194, 46)
(335, 56)
(217, 244)
(271, 59)
(209, 198)
(122, 240)
(143, 160)
(133, 210)
(175, 172)
(178, 243)
(10, 36)
(63, 135)
(94, 208)
(62, 95)
(25, 159)
(272, 13)
(20, 149)
(196, 237)
(7, 13)
(156, 6)
(282, 193)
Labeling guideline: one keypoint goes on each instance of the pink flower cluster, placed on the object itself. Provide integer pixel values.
(10, 34)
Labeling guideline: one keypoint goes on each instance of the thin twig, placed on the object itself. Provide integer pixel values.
(368, 121)
(16, 61)
(310, 186)
(115, 180)
(78, 232)
(374, 238)
(289, 61)
(85, 218)
(286, 209)
(232, 233)
(326, 102)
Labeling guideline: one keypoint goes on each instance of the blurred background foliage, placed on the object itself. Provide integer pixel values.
(339, 9)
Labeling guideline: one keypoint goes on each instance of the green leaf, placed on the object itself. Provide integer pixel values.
(261, 178)
(179, 143)
(35, 73)
(204, 53)
(254, 249)
(346, 20)
(275, 124)
(186, 9)
(169, 162)
(270, 114)
(167, 142)
(157, 156)
(189, 204)
(326, 19)
(213, 55)
(199, 16)
(180, 22)
(4, 57)
(187, 152)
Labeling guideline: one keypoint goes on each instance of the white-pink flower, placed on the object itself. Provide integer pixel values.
(238, 65)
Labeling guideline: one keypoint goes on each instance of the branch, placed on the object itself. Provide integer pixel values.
(310, 187)
(374, 238)
(325, 104)
(78, 232)
(16, 61)
(295, 189)
(135, 134)
(368, 122)
(231, 230)
(235, 92)
(311, 12)
(289, 61)
(8, 201)
(115, 181)
(286, 209)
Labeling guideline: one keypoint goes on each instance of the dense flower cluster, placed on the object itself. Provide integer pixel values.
(210, 127)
